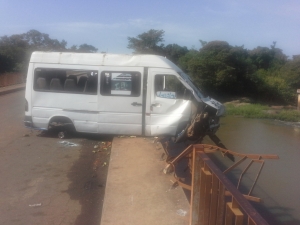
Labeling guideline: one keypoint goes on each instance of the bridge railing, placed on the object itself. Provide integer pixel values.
(214, 198)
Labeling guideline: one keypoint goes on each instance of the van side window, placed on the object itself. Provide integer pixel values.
(120, 83)
(168, 86)
(65, 80)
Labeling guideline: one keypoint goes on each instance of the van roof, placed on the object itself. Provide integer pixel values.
(99, 59)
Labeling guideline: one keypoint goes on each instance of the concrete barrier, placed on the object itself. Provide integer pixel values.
(7, 79)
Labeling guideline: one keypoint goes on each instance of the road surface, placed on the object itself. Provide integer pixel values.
(43, 181)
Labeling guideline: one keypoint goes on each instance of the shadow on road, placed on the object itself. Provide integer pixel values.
(88, 174)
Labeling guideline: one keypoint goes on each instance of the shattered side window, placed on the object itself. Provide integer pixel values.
(120, 83)
(168, 86)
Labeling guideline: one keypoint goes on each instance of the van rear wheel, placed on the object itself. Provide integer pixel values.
(63, 126)
(62, 134)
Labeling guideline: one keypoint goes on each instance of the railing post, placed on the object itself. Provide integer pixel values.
(196, 213)
(214, 200)
(221, 205)
(206, 197)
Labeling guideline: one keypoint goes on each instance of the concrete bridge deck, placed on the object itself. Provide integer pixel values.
(137, 192)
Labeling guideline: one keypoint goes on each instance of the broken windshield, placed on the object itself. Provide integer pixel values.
(195, 88)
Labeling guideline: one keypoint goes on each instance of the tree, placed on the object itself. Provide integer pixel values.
(6, 63)
(291, 73)
(84, 48)
(203, 43)
(13, 50)
(148, 42)
(267, 58)
(174, 52)
(42, 42)
(218, 68)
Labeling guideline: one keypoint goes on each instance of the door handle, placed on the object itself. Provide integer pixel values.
(136, 104)
(154, 105)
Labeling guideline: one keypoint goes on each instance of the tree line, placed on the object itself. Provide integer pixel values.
(15, 50)
(264, 73)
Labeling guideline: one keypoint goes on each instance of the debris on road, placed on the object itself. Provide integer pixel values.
(35, 205)
(68, 144)
(103, 149)
(103, 146)
(168, 169)
(163, 157)
(42, 133)
(155, 140)
(181, 212)
(62, 134)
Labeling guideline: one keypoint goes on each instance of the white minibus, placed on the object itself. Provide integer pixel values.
(144, 95)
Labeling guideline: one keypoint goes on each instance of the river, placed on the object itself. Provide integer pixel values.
(279, 182)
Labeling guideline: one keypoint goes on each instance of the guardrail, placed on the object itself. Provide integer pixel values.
(214, 199)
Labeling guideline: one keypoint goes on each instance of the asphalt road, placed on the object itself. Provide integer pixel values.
(43, 181)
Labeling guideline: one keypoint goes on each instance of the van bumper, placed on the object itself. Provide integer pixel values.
(28, 122)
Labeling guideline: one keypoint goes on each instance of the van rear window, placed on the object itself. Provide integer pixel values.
(66, 81)
(120, 83)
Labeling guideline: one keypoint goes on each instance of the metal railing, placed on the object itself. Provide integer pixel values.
(214, 198)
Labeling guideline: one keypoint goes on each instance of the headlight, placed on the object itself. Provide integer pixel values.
(221, 111)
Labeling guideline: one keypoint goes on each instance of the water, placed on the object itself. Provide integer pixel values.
(279, 183)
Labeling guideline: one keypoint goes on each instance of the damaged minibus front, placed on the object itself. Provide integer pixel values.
(205, 113)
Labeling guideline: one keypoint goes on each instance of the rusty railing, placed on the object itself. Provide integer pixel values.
(214, 198)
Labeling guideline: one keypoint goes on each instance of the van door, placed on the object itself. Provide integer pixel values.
(120, 101)
(166, 111)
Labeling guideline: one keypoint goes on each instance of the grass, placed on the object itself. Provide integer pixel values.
(262, 112)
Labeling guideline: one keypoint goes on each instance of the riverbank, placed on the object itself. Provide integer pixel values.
(253, 110)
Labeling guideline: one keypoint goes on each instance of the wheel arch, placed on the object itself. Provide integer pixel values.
(61, 121)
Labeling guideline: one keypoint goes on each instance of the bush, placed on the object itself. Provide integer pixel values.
(262, 112)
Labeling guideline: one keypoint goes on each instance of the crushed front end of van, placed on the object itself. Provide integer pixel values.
(205, 116)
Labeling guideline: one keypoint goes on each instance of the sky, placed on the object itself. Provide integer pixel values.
(107, 24)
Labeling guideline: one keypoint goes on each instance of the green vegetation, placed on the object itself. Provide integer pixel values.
(264, 74)
(15, 50)
(262, 111)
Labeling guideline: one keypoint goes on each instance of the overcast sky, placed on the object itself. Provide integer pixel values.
(107, 24)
